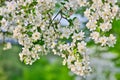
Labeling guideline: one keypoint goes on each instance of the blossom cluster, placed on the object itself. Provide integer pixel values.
(101, 63)
(100, 15)
(32, 23)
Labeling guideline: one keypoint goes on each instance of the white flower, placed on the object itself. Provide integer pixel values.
(76, 23)
(72, 4)
(81, 47)
(105, 26)
(64, 62)
(82, 2)
(37, 48)
(4, 24)
(111, 40)
(70, 59)
(36, 36)
(17, 31)
(115, 10)
(7, 46)
(78, 36)
(66, 32)
(1, 36)
(64, 47)
(91, 25)
(55, 52)
(78, 65)
(11, 5)
(53, 45)
(34, 56)
(87, 13)
(28, 61)
(95, 36)
(103, 40)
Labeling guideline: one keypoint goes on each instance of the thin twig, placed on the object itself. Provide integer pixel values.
(57, 14)
(51, 20)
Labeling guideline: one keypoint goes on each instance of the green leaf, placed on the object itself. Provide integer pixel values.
(1, 17)
(57, 5)
(63, 3)
(66, 0)
(75, 50)
(40, 42)
(33, 4)
(29, 26)
(30, 34)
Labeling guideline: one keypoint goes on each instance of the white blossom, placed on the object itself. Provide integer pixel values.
(36, 36)
(81, 47)
(103, 40)
(7, 46)
(78, 36)
(111, 40)
(95, 36)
